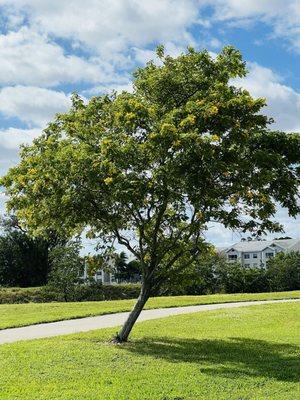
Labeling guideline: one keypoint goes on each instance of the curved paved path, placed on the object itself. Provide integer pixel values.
(51, 329)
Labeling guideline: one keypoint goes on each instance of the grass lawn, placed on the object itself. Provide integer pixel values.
(249, 353)
(14, 315)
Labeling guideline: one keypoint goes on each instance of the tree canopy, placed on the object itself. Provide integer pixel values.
(24, 260)
(150, 169)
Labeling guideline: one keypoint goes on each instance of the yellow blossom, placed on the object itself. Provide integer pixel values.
(215, 138)
(130, 116)
(177, 143)
(189, 120)
(106, 141)
(108, 180)
(213, 110)
(168, 128)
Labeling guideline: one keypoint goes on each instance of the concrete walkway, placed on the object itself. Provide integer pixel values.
(51, 329)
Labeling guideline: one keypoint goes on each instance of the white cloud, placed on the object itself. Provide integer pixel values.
(230, 9)
(32, 59)
(111, 25)
(12, 138)
(283, 101)
(32, 105)
(10, 141)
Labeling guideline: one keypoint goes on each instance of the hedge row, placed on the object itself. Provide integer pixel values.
(94, 292)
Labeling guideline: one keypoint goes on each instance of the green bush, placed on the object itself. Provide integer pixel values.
(98, 291)
(93, 292)
(283, 271)
(66, 270)
(22, 295)
(235, 278)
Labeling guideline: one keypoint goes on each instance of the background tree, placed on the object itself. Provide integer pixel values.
(24, 259)
(121, 266)
(127, 271)
(66, 269)
(283, 271)
(236, 278)
(152, 168)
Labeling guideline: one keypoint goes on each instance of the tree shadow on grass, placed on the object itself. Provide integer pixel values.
(232, 358)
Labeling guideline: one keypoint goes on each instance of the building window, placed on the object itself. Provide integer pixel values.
(246, 256)
(232, 257)
(269, 255)
(255, 255)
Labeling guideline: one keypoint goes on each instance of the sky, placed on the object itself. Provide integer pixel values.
(51, 48)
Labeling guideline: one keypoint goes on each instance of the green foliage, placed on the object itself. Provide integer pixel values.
(97, 291)
(284, 271)
(15, 295)
(235, 278)
(66, 270)
(127, 271)
(245, 353)
(23, 259)
(93, 292)
(212, 273)
(204, 276)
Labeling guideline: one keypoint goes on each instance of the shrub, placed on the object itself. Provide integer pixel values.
(235, 278)
(97, 291)
(22, 295)
(93, 292)
(283, 271)
(66, 270)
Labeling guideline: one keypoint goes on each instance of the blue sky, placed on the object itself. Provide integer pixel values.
(49, 49)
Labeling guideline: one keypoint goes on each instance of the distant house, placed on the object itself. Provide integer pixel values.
(103, 276)
(256, 253)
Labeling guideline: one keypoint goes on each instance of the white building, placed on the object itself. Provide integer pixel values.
(106, 278)
(255, 253)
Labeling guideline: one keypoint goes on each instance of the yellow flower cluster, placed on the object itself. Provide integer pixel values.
(188, 121)
(108, 180)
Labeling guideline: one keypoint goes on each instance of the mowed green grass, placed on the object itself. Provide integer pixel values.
(14, 315)
(248, 353)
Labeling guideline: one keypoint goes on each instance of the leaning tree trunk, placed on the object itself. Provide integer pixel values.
(122, 336)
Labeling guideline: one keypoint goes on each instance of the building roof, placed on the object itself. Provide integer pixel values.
(260, 245)
(295, 247)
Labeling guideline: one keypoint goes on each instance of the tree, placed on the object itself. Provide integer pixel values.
(121, 266)
(23, 259)
(134, 271)
(126, 271)
(283, 271)
(66, 269)
(150, 169)
(236, 278)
